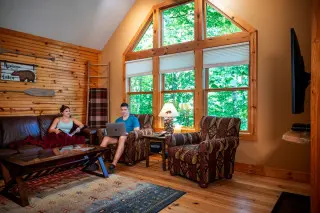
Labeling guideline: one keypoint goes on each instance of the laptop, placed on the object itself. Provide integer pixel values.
(115, 129)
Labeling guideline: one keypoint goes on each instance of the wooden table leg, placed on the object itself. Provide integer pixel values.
(5, 173)
(147, 150)
(163, 144)
(23, 191)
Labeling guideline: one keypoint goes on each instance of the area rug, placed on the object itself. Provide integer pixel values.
(75, 191)
(292, 203)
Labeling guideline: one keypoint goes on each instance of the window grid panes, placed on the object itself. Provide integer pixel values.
(217, 24)
(140, 94)
(178, 24)
(179, 90)
(227, 92)
(146, 41)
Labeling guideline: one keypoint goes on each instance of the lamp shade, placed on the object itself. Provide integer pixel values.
(168, 110)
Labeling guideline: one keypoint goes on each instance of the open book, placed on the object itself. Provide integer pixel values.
(69, 134)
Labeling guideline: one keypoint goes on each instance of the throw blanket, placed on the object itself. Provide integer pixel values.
(53, 140)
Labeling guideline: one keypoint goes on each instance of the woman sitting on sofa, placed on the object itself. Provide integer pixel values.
(60, 128)
(59, 133)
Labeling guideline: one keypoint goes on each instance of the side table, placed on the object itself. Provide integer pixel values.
(156, 139)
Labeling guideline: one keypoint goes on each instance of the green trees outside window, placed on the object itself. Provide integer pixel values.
(146, 41)
(217, 24)
(140, 97)
(176, 82)
(178, 24)
(233, 102)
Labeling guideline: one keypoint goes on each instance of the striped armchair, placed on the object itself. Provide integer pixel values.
(206, 155)
(134, 150)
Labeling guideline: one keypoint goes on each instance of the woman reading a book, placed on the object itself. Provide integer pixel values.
(65, 122)
(60, 133)
(60, 130)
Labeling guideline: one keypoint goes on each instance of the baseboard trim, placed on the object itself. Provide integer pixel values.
(273, 172)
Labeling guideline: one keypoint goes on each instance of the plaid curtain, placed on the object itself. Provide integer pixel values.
(98, 107)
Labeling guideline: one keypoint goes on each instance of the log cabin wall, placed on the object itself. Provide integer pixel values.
(67, 75)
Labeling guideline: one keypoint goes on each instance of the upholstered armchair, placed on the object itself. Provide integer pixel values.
(134, 150)
(206, 155)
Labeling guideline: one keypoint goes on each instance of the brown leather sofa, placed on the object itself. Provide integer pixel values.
(15, 129)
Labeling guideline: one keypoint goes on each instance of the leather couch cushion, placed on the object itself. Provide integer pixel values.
(45, 122)
(17, 128)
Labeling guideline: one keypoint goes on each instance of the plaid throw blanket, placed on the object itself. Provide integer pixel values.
(98, 107)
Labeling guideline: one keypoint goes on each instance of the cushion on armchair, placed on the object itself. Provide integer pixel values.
(186, 153)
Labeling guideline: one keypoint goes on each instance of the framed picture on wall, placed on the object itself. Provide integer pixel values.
(12, 71)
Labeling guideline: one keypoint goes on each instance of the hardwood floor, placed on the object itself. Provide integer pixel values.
(243, 193)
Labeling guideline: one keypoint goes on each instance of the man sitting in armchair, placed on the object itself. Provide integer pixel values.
(131, 123)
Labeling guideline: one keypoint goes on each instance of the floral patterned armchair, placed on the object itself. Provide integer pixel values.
(134, 150)
(206, 155)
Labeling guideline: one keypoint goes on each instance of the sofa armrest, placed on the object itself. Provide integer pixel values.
(89, 133)
(179, 139)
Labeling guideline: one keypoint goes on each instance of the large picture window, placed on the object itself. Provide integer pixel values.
(197, 56)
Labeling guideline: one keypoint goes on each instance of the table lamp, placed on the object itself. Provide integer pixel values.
(168, 112)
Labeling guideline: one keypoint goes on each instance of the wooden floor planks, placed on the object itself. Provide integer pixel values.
(243, 193)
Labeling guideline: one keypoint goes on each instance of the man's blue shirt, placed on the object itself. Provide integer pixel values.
(131, 123)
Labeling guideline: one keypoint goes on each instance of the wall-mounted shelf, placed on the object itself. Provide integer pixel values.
(297, 137)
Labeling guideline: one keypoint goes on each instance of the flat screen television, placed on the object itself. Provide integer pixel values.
(300, 78)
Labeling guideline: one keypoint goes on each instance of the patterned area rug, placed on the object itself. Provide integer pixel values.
(75, 191)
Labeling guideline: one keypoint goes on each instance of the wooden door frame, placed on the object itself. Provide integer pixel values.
(315, 112)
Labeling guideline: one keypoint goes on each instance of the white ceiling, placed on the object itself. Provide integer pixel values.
(88, 23)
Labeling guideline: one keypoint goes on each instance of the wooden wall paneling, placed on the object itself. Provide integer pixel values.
(66, 75)
(198, 99)
(315, 113)
(156, 91)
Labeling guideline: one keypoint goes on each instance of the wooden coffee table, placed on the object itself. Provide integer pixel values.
(156, 139)
(17, 169)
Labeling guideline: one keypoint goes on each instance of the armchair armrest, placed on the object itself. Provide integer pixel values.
(179, 139)
(138, 134)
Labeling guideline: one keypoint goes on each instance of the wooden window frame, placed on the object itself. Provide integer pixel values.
(200, 42)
